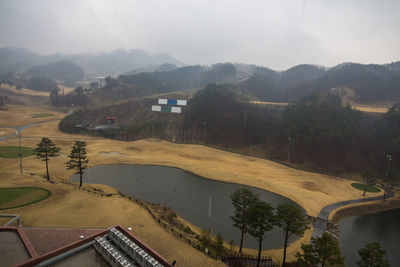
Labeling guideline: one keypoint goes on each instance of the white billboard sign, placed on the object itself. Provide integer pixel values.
(155, 108)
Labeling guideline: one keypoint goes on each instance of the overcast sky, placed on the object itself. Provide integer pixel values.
(276, 34)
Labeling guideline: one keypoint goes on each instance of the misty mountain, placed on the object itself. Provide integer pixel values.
(368, 82)
(155, 68)
(66, 71)
(121, 61)
(301, 74)
(19, 60)
(183, 78)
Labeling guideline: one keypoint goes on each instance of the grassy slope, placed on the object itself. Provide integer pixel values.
(68, 207)
(17, 115)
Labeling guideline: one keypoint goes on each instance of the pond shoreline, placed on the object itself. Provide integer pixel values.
(187, 194)
(364, 208)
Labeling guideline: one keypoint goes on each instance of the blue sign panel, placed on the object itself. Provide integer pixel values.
(172, 102)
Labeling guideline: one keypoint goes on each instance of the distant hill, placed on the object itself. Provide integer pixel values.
(370, 82)
(143, 73)
(61, 70)
(40, 84)
(184, 78)
(121, 61)
(18, 60)
(356, 82)
(324, 134)
(162, 67)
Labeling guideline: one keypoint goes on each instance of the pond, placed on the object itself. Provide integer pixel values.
(203, 202)
(383, 227)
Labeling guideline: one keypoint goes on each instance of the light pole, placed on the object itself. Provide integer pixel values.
(19, 149)
(389, 158)
(290, 139)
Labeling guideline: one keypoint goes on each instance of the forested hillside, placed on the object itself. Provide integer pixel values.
(65, 71)
(356, 82)
(148, 83)
(317, 132)
(369, 83)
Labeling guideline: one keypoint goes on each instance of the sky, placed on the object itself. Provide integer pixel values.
(277, 34)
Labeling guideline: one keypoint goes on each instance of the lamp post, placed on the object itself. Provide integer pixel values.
(389, 158)
(19, 149)
(290, 139)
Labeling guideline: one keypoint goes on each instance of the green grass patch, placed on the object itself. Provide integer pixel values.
(370, 188)
(12, 152)
(15, 197)
(40, 115)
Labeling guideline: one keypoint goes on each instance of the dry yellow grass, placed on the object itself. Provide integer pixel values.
(269, 103)
(311, 190)
(17, 115)
(354, 106)
(6, 131)
(24, 91)
(77, 209)
(371, 109)
(65, 90)
(71, 208)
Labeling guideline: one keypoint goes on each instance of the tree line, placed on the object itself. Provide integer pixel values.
(77, 97)
(370, 82)
(317, 131)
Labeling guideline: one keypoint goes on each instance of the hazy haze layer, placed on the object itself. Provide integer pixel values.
(277, 34)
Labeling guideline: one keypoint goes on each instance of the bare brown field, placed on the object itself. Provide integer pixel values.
(359, 107)
(270, 103)
(371, 109)
(17, 115)
(68, 207)
(6, 131)
(65, 89)
(24, 91)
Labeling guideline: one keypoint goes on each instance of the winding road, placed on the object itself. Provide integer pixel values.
(322, 220)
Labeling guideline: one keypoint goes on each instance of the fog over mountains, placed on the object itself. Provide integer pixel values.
(18, 60)
(140, 70)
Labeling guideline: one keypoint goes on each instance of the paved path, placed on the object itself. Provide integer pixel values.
(21, 128)
(322, 220)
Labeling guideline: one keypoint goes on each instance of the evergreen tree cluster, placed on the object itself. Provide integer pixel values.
(256, 217)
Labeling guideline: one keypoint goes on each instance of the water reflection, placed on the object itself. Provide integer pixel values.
(382, 227)
(203, 202)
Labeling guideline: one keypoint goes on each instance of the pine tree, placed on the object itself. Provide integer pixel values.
(292, 221)
(321, 251)
(78, 159)
(261, 220)
(45, 150)
(242, 199)
(372, 256)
